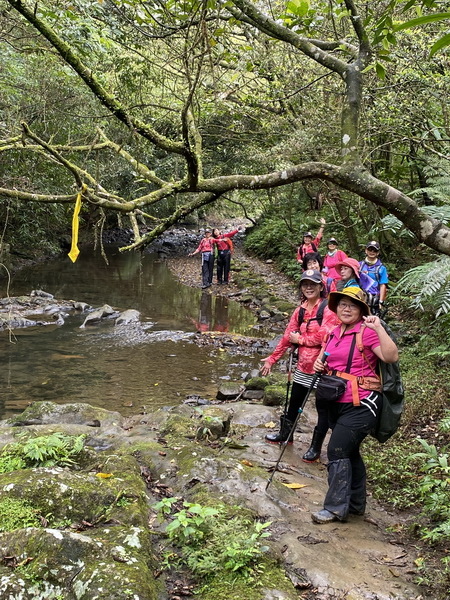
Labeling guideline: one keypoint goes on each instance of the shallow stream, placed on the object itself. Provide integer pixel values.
(132, 369)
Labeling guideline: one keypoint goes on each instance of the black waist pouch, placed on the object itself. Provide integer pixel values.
(330, 388)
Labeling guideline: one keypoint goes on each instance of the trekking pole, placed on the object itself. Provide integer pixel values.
(289, 378)
(300, 411)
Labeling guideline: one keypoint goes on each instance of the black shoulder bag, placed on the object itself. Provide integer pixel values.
(332, 387)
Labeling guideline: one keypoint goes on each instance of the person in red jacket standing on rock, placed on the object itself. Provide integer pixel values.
(224, 247)
(309, 244)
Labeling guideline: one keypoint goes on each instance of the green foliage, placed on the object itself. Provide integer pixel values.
(52, 450)
(445, 423)
(386, 27)
(211, 541)
(17, 514)
(191, 524)
(434, 492)
(428, 286)
(437, 174)
(392, 473)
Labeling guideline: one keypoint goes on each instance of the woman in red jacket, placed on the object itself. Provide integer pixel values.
(206, 247)
(304, 331)
(224, 246)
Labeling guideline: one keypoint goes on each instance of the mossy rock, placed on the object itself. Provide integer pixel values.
(228, 390)
(278, 378)
(256, 383)
(61, 495)
(179, 426)
(274, 395)
(78, 566)
(285, 307)
(79, 413)
(214, 423)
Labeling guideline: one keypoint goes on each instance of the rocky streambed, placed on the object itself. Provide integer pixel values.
(88, 530)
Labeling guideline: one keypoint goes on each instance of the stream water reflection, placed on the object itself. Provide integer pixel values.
(119, 370)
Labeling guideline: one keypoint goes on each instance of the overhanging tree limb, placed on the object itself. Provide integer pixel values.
(180, 213)
(108, 100)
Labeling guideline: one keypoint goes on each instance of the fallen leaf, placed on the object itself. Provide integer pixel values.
(247, 463)
(104, 475)
(295, 486)
(270, 425)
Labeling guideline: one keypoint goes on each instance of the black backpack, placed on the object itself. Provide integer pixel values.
(393, 397)
(319, 314)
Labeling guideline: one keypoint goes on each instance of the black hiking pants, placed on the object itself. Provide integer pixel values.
(346, 470)
(223, 266)
(207, 268)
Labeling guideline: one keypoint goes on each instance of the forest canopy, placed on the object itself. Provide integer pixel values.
(155, 109)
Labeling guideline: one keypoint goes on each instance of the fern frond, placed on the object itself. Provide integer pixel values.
(429, 284)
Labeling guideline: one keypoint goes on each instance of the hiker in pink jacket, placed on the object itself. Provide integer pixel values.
(308, 243)
(331, 258)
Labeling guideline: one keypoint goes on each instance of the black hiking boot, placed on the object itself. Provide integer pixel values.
(283, 434)
(313, 452)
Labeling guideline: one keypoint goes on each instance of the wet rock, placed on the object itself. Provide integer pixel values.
(128, 316)
(263, 315)
(98, 314)
(278, 316)
(253, 373)
(16, 321)
(228, 391)
(214, 423)
(274, 395)
(79, 413)
(253, 394)
(81, 306)
(41, 294)
(194, 400)
(111, 554)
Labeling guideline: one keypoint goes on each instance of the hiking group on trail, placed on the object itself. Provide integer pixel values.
(336, 332)
(342, 348)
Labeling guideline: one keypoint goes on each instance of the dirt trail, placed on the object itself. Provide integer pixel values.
(357, 560)
(188, 270)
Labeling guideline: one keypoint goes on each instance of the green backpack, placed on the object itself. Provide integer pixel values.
(392, 391)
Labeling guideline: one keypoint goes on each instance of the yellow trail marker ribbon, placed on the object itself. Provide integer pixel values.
(74, 251)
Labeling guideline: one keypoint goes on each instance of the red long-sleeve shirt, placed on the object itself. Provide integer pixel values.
(206, 245)
(220, 241)
(312, 336)
(305, 248)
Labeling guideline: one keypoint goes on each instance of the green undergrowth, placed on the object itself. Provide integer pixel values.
(16, 514)
(411, 472)
(228, 586)
(54, 450)
(223, 547)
